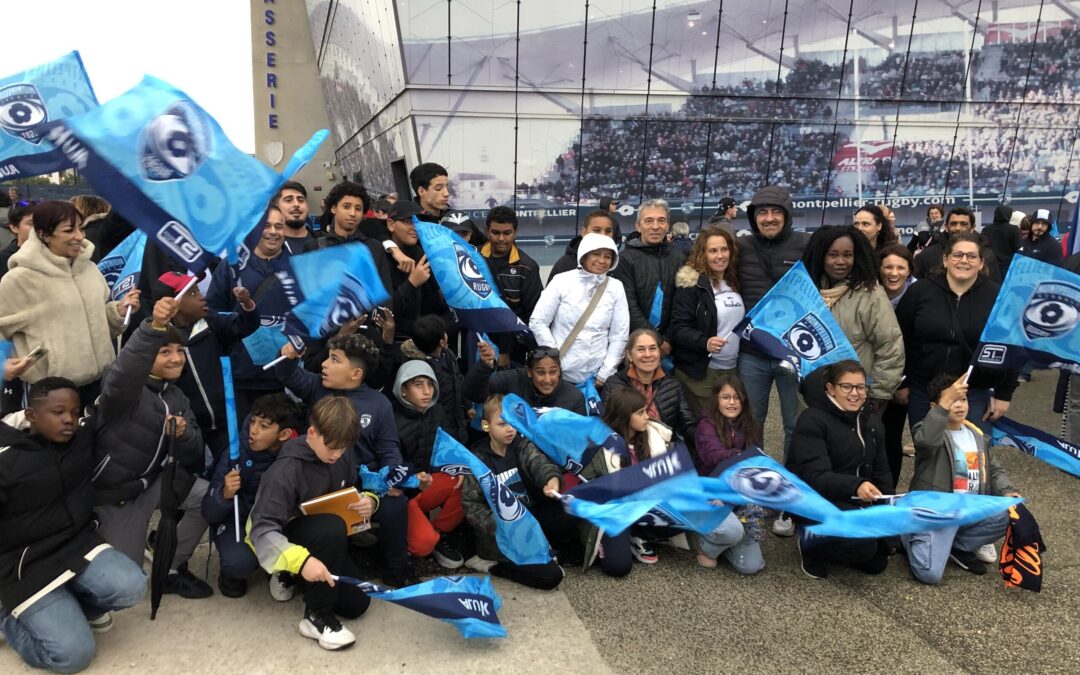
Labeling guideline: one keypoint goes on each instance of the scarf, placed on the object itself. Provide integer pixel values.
(831, 295)
(647, 390)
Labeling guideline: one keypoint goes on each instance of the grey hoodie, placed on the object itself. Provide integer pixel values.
(408, 371)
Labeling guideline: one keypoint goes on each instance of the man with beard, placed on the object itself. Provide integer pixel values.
(292, 200)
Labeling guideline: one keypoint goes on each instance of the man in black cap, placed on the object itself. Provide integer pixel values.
(415, 292)
(611, 205)
(1042, 245)
(460, 222)
(725, 215)
(1003, 237)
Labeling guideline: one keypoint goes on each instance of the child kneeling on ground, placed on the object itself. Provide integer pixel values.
(272, 422)
(952, 454)
(58, 578)
(314, 547)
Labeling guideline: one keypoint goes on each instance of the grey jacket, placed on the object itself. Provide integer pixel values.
(934, 454)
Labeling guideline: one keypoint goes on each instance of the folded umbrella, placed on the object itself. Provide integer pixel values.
(165, 544)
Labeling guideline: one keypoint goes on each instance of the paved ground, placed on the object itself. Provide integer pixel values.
(674, 616)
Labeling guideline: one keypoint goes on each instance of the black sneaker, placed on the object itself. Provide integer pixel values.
(966, 560)
(230, 587)
(812, 566)
(447, 556)
(401, 579)
(325, 627)
(187, 585)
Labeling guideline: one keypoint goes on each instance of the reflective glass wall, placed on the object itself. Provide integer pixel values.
(549, 105)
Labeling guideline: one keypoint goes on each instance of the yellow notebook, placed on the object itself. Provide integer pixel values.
(338, 503)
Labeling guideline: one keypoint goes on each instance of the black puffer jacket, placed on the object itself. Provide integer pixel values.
(642, 267)
(763, 261)
(451, 386)
(941, 330)
(482, 381)
(416, 428)
(693, 322)
(131, 442)
(1045, 249)
(834, 451)
(202, 381)
(670, 399)
(46, 513)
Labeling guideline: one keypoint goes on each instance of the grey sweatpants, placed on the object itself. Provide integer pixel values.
(124, 526)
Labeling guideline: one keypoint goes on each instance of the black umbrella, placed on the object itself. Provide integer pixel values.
(165, 544)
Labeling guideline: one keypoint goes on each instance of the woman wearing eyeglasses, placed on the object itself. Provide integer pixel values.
(942, 318)
(838, 448)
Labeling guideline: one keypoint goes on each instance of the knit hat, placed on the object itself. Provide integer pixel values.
(1017, 217)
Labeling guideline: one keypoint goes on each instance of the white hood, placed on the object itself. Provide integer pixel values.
(594, 242)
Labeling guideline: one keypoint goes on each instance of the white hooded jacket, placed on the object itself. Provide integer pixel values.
(598, 349)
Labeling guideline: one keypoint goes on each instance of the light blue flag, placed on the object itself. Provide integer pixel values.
(5, 350)
(166, 166)
(465, 281)
(478, 408)
(657, 309)
(913, 512)
(793, 324)
(1039, 444)
(594, 405)
(264, 345)
(470, 604)
(1034, 319)
(122, 267)
(661, 491)
(230, 409)
(382, 480)
(567, 438)
(517, 532)
(329, 287)
(42, 94)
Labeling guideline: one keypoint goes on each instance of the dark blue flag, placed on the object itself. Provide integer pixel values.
(1054, 451)
(567, 438)
(465, 281)
(168, 168)
(793, 324)
(470, 604)
(122, 267)
(1034, 319)
(517, 532)
(43, 94)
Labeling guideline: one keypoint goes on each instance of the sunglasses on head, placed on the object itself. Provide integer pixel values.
(542, 353)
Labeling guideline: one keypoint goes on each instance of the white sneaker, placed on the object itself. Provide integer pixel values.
(782, 526)
(102, 624)
(987, 553)
(478, 564)
(325, 627)
(282, 588)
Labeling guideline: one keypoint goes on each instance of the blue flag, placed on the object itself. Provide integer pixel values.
(517, 532)
(43, 94)
(1074, 236)
(594, 405)
(465, 281)
(167, 167)
(264, 345)
(793, 324)
(470, 604)
(1034, 319)
(5, 351)
(381, 481)
(1039, 444)
(662, 491)
(478, 407)
(914, 512)
(230, 409)
(656, 311)
(567, 438)
(121, 268)
(329, 287)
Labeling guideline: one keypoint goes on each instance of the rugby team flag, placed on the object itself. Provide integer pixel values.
(1056, 452)
(568, 439)
(122, 267)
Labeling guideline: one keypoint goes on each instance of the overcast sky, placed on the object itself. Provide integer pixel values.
(202, 47)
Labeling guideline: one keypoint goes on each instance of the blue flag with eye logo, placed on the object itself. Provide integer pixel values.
(465, 281)
(122, 267)
(167, 167)
(793, 325)
(1056, 452)
(567, 438)
(1034, 318)
(45, 93)
(517, 531)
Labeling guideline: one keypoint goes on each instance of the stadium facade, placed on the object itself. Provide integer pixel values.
(549, 105)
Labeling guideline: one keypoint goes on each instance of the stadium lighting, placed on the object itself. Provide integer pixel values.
(692, 17)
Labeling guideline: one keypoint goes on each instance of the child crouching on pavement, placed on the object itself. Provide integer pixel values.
(953, 455)
(314, 547)
(532, 477)
(58, 578)
(272, 422)
(139, 398)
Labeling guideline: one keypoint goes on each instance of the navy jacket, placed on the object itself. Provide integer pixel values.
(202, 381)
(253, 465)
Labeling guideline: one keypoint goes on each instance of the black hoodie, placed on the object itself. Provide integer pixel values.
(762, 262)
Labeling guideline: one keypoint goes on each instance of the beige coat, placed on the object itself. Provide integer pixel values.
(46, 300)
(868, 320)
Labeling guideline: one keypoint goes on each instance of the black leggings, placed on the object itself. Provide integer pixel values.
(324, 536)
(894, 417)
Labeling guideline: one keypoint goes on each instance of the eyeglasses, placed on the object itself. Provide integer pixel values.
(847, 388)
(542, 353)
(728, 398)
(957, 256)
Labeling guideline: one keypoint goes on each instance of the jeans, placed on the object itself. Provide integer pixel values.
(929, 551)
(53, 633)
(758, 374)
(729, 540)
(919, 406)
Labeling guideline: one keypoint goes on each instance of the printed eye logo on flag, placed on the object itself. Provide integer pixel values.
(764, 486)
(472, 277)
(175, 143)
(21, 109)
(510, 508)
(1052, 311)
(810, 338)
(347, 306)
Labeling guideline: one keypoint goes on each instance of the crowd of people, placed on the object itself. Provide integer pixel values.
(638, 332)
